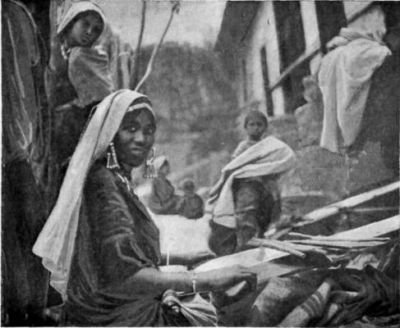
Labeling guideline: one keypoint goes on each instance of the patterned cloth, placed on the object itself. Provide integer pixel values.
(325, 298)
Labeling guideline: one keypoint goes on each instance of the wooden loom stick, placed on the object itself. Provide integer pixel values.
(338, 244)
(280, 246)
(333, 238)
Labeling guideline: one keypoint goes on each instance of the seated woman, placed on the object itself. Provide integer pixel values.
(162, 198)
(100, 244)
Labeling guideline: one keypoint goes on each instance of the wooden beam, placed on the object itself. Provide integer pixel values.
(335, 208)
(293, 66)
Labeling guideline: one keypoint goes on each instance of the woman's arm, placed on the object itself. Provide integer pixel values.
(154, 281)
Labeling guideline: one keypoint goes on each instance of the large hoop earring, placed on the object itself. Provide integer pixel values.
(112, 162)
(149, 170)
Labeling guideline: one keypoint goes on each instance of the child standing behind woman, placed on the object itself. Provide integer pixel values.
(88, 62)
(99, 62)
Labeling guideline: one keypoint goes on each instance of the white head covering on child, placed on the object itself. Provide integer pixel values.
(76, 9)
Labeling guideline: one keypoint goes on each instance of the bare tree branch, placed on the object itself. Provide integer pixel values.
(136, 64)
(174, 9)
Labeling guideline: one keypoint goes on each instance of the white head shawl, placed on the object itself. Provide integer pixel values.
(76, 9)
(55, 244)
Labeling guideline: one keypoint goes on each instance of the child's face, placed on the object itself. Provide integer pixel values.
(86, 30)
(255, 129)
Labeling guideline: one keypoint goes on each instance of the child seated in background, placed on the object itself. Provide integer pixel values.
(255, 124)
(191, 205)
(163, 199)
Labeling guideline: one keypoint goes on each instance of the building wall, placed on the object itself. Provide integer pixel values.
(273, 59)
(311, 31)
(252, 44)
(262, 32)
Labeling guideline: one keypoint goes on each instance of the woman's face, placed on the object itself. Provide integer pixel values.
(85, 31)
(135, 138)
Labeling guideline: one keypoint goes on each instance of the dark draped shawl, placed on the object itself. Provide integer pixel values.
(116, 238)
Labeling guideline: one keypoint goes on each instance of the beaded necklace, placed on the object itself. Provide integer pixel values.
(122, 177)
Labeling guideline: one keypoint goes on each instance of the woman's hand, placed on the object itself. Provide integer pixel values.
(221, 280)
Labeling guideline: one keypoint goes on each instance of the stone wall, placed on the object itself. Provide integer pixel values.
(318, 171)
